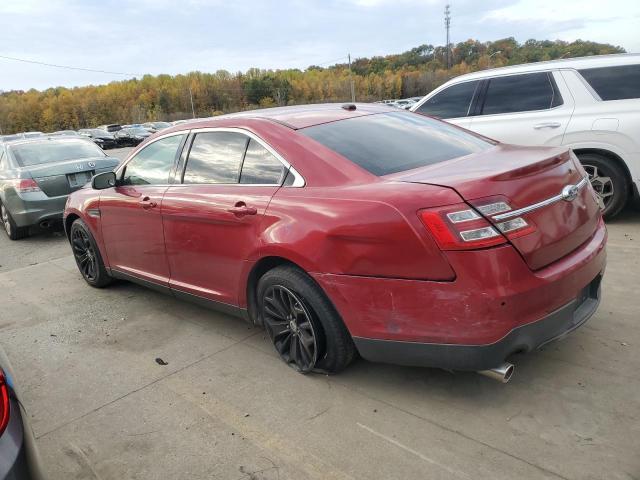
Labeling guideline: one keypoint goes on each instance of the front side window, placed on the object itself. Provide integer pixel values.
(394, 142)
(153, 164)
(614, 83)
(452, 102)
(260, 166)
(520, 93)
(215, 157)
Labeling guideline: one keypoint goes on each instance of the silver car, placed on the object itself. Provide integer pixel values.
(36, 175)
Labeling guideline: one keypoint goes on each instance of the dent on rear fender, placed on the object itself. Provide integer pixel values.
(348, 236)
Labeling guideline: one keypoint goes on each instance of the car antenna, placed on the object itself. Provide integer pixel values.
(349, 106)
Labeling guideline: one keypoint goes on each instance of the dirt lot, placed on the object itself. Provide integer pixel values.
(226, 407)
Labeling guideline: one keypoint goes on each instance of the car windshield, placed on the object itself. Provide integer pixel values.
(394, 142)
(137, 131)
(37, 153)
(161, 124)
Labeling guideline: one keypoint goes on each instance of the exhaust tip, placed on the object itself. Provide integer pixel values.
(501, 373)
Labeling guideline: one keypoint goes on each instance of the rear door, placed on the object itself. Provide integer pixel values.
(524, 109)
(452, 104)
(130, 212)
(213, 221)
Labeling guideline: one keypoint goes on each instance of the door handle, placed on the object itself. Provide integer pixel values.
(146, 203)
(546, 125)
(240, 209)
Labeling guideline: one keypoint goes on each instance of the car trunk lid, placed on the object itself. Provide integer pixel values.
(61, 178)
(546, 187)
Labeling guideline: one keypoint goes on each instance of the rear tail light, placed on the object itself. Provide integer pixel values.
(26, 185)
(512, 227)
(4, 402)
(458, 227)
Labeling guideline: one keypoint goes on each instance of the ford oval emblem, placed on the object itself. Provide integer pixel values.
(569, 193)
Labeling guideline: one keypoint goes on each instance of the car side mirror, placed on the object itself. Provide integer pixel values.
(103, 180)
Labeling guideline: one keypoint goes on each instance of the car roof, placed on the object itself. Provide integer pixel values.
(576, 63)
(301, 116)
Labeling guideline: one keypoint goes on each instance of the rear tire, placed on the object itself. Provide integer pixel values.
(13, 231)
(87, 255)
(609, 181)
(293, 308)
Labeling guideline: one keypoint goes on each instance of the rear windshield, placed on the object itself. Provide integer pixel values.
(51, 151)
(394, 142)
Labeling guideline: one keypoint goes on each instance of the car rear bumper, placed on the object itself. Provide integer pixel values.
(484, 357)
(35, 208)
(493, 308)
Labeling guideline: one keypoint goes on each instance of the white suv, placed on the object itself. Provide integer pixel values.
(591, 104)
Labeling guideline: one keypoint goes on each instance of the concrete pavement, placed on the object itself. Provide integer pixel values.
(226, 407)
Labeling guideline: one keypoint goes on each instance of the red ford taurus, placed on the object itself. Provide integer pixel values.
(354, 228)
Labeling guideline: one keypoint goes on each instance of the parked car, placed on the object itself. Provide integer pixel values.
(153, 127)
(19, 458)
(10, 138)
(404, 103)
(363, 228)
(36, 176)
(64, 133)
(101, 137)
(131, 136)
(589, 104)
(32, 134)
(114, 127)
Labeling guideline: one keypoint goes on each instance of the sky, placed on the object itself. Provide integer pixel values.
(177, 36)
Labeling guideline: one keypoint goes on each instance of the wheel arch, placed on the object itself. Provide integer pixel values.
(261, 267)
(72, 217)
(614, 157)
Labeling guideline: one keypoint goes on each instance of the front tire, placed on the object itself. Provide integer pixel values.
(87, 255)
(608, 180)
(304, 327)
(13, 231)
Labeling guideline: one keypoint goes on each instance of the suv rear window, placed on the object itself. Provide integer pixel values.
(387, 143)
(614, 83)
(452, 102)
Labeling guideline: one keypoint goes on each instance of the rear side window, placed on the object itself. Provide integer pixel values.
(614, 83)
(153, 164)
(260, 166)
(452, 102)
(215, 157)
(520, 93)
(394, 142)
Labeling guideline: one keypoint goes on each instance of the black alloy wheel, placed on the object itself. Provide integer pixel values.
(289, 324)
(85, 254)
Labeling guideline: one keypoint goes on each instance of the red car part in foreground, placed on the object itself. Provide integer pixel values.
(354, 228)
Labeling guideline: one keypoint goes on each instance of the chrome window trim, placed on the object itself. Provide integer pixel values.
(536, 206)
(298, 181)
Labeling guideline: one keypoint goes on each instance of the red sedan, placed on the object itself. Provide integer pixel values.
(354, 229)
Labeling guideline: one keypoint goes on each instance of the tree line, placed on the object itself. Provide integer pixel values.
(168, 97)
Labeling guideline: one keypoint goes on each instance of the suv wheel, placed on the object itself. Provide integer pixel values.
(13, 231)
(608, 180)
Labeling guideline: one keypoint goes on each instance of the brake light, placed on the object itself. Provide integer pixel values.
(458, 227)
(4, 402)
(26, 185)
(512, 227)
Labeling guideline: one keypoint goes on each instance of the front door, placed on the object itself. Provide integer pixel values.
(130, 213)
(214, 219)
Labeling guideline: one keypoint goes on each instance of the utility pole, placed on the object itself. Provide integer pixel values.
(353, 88)
(193, 112)
(447, 24)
